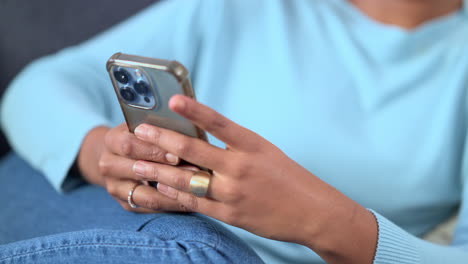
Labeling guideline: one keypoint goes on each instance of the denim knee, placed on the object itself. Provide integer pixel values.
(102, 229)
(166, 238)
(214, 243)
(101, 246)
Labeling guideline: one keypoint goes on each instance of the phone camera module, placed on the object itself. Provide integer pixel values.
(122, 76)
(127, 94)
(141, 87)
(134, 87)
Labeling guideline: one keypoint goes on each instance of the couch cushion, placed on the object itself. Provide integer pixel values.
(31, 29)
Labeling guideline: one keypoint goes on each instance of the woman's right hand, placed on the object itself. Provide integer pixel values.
(106, 158)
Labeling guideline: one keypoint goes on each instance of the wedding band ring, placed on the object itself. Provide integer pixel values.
(129, 197)
(199, 183)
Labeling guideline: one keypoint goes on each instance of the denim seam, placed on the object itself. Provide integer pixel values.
(213, 226)
(146, 223)
(97, 244)
(218, 235)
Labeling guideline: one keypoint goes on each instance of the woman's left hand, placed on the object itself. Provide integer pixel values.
(254, 185)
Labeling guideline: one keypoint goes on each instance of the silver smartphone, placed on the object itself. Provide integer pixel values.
(144, 86)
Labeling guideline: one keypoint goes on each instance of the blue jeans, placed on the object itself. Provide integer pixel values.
(39, 225)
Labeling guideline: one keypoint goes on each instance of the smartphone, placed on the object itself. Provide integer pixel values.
(144, 86)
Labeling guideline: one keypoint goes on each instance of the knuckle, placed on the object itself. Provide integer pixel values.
(244, 166)
(104, 167)
(216, 123)
(112, 189)
(154, 173)
(180, 183)
(155, 154)
(108, 138)
(182, 208)
(151, 203)
(239, 168)
(191, 203)
(126, 147)
(232, 193)
(154, 135)
(182, 148)
(237, 171)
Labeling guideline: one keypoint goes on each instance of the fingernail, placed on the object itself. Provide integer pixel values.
(164, 189)
(171, 158)
(141, 131)
(139, 169)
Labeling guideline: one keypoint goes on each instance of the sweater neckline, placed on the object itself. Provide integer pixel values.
(364, 21)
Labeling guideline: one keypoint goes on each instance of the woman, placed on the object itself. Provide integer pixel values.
(361, 106)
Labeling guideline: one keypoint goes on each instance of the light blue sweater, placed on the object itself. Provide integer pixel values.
(376, 111)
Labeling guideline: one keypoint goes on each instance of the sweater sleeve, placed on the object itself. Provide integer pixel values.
(395, 245)
(53, 103)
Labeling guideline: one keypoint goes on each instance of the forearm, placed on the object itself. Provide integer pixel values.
(349, 233)
(46, 125)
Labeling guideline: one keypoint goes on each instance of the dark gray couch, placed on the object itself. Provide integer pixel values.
(30, 29)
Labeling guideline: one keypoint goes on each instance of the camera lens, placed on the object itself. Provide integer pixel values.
(122, 76)
(127, 94)
(141, 87)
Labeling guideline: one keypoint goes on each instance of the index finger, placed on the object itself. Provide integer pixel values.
(234, 135)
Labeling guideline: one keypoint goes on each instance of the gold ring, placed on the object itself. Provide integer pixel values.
(199, 183)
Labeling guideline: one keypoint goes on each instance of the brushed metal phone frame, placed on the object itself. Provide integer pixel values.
(166, 78)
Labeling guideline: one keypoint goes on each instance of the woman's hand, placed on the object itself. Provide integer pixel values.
(107, 157)
(257, 187)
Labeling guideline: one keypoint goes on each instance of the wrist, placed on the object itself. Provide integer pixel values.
(344, 231)
(89, 155)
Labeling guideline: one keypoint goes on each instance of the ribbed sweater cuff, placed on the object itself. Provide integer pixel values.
(394, 245)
